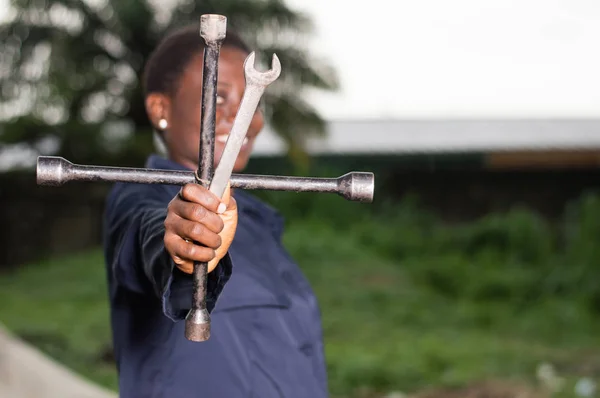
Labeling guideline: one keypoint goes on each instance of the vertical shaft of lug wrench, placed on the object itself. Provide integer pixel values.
(212, 29)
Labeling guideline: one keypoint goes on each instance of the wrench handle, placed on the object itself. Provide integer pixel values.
(247, 109)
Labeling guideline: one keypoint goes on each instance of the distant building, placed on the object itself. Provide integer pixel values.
(503, 142)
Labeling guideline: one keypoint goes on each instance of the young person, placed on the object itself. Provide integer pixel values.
(266, 337)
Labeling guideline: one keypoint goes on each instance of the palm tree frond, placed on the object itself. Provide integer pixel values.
(72, 66)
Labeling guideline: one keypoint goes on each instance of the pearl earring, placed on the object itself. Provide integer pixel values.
(162, 123)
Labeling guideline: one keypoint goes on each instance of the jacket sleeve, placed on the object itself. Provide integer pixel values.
(140, 262)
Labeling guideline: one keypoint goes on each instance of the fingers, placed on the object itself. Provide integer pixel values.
(199, 227)
(185, 253)
(228, 199)
(227, 194)
(193, 231)
(198, 194)
(196, 213)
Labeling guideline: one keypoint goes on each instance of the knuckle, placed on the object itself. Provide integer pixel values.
(197, 230)
(190, 250)
(168, 223)
(199, 213)
(188, 191)
(168, 241)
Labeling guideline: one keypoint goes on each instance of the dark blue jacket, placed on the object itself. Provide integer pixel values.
(266, 338)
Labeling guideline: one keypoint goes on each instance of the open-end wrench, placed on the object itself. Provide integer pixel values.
(256, 83)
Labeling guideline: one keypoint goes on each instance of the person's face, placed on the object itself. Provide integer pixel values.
(182, 110)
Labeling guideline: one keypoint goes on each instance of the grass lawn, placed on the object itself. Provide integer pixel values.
(421, 313)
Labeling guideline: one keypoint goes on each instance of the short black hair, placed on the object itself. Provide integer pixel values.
(169, 59)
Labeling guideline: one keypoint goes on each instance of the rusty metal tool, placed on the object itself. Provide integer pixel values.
(352, 186)
(212, 29)
(256, 83)
(56, 171)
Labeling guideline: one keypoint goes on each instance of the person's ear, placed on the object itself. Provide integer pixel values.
(158, 107)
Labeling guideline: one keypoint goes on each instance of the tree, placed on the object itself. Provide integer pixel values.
(70, 72)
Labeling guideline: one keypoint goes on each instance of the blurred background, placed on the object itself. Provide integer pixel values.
(473, 274)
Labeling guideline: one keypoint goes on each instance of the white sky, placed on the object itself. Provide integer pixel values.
(460, 58)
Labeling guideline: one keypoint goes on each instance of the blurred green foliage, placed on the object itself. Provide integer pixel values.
(408, 302)
(71, 73)
(516, 257)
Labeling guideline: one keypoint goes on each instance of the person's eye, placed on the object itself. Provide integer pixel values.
(220, 100)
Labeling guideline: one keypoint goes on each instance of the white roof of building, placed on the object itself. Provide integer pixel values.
(443, 136)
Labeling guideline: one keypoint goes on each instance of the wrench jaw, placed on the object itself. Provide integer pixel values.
(261, 78)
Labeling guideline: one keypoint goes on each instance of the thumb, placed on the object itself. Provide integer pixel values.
(227, 199)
